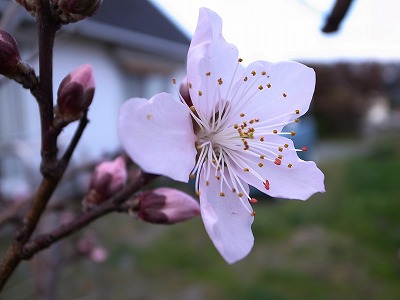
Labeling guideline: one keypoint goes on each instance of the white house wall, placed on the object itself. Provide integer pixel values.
(19, 112)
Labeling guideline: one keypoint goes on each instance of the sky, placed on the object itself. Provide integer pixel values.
(277, 30)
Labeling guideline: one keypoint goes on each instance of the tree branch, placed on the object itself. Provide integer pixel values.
(113, 204)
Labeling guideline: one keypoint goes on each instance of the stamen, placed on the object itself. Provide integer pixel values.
(266, 184)
(253, 200)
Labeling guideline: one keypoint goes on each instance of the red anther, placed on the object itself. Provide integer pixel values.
(304, 149)
(266, 185)
(277, 161)
(253, 200)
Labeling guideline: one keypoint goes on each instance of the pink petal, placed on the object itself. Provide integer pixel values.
(300, 181)
(158, 135)
(227, 219)
(212, 64)
(273, 92)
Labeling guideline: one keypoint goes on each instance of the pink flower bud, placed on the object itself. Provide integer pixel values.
(184, 91)
(166, 206)
(89, 246)
(70, 11)
(9, 54)
(108, 178)
(75, 93)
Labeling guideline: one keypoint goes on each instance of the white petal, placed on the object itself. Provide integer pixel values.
(273, 92)
(212, 64)
(158, 135)
(227, 219)
(300, 181)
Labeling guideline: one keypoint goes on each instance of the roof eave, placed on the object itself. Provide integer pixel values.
(130, 39)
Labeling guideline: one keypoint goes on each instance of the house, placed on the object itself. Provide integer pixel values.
(133, 48)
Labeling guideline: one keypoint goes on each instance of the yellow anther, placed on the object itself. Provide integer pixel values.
(268, 85)
(289, 166)
(253, 73)
(253, 213)
(292, 133)
(190, 85)
(240, 194)
(280, 156)
(263, 73)
(220, 81)
(280, 149)
(275, 131)
(200, 93)
(245, 79)
(236, 126)
(260, 164)
(262, 139)
(297, 120)
(262, 156)
(286, 145)
(297, 111)
(240, 60)
(242, 115)
(222, 194)
(208, 73)
(246, 169)
(260, 87)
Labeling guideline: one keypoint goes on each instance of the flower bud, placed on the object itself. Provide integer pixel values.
(166, 206)
(70, 11)
(108, 178)
(29, 5)
(75, 93)
(89, 246)
(9, 54)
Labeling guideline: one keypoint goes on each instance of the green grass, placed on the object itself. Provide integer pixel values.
(343, 244)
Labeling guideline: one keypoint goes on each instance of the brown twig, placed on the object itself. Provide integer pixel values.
(114, 204)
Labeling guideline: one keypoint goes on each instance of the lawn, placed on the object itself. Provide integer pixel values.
(344, 244)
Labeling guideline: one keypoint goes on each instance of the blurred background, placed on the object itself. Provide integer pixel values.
(344, 244)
